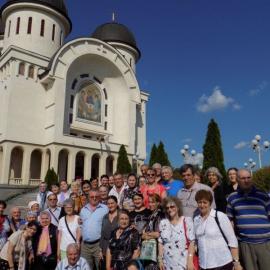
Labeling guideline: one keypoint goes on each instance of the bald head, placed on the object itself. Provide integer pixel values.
(244, 180)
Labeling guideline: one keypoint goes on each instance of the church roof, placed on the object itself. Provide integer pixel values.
(58, 5)
(115, 32)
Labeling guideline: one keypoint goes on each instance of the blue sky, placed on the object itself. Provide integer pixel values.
(200, 60)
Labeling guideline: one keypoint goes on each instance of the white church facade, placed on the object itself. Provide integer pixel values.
(67, 106)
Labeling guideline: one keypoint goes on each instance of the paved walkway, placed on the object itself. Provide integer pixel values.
(22, 201)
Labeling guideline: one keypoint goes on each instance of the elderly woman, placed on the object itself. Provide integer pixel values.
(4, 224)
(45, 244)
(176, 241)
(123, 245)
(126, 201)
(109, 224)
(217, 244)
(18, 250)
(215, 179)
(68, 229)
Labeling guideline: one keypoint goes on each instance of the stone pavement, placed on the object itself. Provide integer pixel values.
(22, 201)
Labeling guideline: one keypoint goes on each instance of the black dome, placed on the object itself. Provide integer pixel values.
(115, 32)
(58, 5)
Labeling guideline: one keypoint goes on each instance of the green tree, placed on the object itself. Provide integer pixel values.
(261, 179)
(153, 155)
(212, 149)
(162, 156)
(123, 164)
(51, 178)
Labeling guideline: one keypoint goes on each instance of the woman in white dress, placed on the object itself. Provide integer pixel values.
(175, 231)
(68, 229)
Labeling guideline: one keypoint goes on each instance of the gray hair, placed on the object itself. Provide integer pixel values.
(73, 246)
(156, 165)
(167, 168)
(45, 213)
(215, 171)
(68, 202)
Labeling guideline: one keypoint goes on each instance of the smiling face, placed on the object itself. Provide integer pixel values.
(30, 231)
(123, 221)
(112, 205)
(63, 186)
(137, 201)
(212, 177)
(132, 181)
(118, 180)
(35, 207)
(166, 174)
(69, 209)
(44, 220)
(86, 188)
(151, 176)
(16, 213)
(94, 197)
(72, 256)
(204, 206)
(52, 200)
(153, 205)
(232, 174)
(171, 210)
(188, 178)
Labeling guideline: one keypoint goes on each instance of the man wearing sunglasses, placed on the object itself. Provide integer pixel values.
(53, 209)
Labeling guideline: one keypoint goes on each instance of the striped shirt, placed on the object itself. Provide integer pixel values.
(250, 213)
(80, 265)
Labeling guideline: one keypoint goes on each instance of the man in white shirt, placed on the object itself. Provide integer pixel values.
(53, 209)
(73, 260)
(42, 196)
(118, 188)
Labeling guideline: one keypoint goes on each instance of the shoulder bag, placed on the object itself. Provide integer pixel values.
(195, 256)
(69, 230)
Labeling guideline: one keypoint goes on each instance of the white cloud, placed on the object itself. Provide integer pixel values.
(216, 101)
(186, 140)
(256, 91)
(241, 145)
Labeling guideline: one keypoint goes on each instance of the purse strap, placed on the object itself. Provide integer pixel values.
(69, 229)
(185, 231)
(223, 235)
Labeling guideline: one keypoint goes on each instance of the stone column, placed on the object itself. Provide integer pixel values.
(87, 165)
(102, 164)
(54, 159)
(114, 163)
(26, 165)
(4, 177)
(44, 165)
(71, 166)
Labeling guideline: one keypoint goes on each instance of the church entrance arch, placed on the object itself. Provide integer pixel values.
(35, 165)
(15, 168)
(63, 164)
(95, 165)
(109, 165)
(79, 166)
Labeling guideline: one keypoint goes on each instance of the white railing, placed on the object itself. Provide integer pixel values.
(34, 182)
(15, 181)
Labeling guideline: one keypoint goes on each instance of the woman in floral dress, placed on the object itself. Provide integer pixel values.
(175, 230)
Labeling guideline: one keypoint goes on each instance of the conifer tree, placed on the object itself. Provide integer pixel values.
(212, 149)
(123, 164)
(162, 156)
(153, 155)
(51, 178)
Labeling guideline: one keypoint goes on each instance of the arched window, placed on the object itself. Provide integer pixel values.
(31, 72)
(42, 28)
(21, 69)
(89, 101)
(53, 32)
(29, 27)
(18, 25)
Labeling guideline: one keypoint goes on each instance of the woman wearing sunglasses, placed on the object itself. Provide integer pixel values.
(176, 241)
(152, 187)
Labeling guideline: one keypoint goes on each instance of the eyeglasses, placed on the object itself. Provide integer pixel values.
(151, 174)
(170, 207)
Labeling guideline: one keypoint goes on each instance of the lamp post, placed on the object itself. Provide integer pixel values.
(191, 157)
(258, 146)
(250, 165)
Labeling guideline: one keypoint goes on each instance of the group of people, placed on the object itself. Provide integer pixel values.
(148, 222)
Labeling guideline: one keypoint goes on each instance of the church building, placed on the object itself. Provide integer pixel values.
(67, 106)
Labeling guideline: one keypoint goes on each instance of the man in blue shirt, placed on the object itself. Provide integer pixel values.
(249, 210)
(92, 215)
(172, 186)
